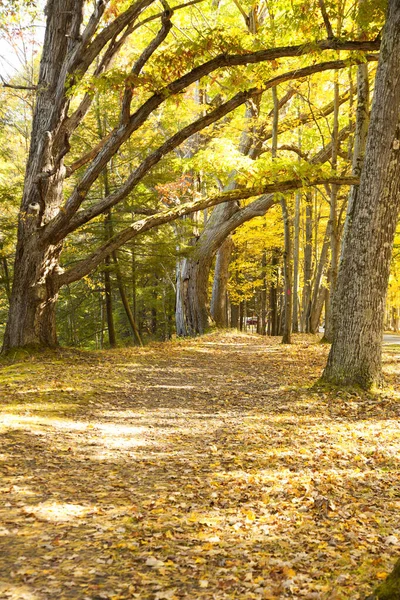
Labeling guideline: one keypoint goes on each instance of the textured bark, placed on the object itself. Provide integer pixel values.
(31, 318)
(235, 315)
(219, 304)
(355, 356)
(360, 142)
(390, 588)
(191, 295)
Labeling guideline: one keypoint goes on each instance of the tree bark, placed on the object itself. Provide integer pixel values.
(263, 321)
(6, 278)
(287, 277)
(333, 222)
(191, 295)
(219, 305)
(355, 356)
(319, 291)
(307, 268)
(390, 588)
(31, 320)
(273, 328)
(296, 256)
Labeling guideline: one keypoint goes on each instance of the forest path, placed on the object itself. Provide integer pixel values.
(197, 469)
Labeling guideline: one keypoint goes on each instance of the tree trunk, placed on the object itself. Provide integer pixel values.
(287, 278)
(235, 309)
(263, 322)
(219, 308)
(273, 294)
(333, 221)
(6, 279)
(125, 301)
(109, 304)
(31, 320)
(355, 356)
(191, 295)
(319, 291)
(307, 269)
(112, 339)
(296, 248)
(390, 588)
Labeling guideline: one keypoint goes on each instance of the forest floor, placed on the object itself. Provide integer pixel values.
(197, 469)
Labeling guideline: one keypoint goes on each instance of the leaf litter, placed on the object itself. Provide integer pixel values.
(198, 469)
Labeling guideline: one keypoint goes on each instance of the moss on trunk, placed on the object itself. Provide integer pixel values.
(390, 588)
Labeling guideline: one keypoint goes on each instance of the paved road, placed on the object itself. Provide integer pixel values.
(391, 338)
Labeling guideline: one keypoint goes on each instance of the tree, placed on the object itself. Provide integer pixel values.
(390, 588)
(74, 53)
(355, 356)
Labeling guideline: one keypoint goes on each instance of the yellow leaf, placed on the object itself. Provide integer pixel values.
(289, 573)
(250, 516)
(382, 575)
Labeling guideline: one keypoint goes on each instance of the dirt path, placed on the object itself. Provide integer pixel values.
(201, 469)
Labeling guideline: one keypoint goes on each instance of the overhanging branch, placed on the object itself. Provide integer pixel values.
(86, 266)
(57, 229)
(121, 133)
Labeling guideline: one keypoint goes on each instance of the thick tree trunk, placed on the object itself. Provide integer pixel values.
(191, 295)
(31, 320)
(193, 283)
(390, 588)
(355, 356)
(219, 304)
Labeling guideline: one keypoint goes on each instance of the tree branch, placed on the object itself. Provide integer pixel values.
(327, 22)
(139, 117)
(87, 265)
(89, 50)
(17, 87)
(142, 60)
(63, 224)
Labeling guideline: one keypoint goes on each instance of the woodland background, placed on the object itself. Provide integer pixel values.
(132, 296)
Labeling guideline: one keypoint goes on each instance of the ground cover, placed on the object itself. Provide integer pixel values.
(198, 469)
